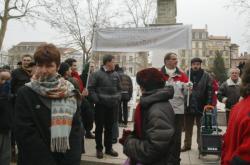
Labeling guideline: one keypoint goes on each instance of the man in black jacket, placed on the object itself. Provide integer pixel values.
(5, 112)
(22, 75)
(19, 77)
(200, 97)
(126, 95)
(104, 89)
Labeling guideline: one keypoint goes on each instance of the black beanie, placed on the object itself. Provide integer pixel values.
(64, 67)
(196, 59)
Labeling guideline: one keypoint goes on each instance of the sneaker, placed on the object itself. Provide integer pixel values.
(99, 154)
(112, 153)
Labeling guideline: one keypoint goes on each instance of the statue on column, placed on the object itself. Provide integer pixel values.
(166, 11)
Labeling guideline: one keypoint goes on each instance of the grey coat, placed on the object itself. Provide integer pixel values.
(104, 88)
(155, 147)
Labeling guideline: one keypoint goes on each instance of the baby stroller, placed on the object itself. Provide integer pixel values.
(210, 139)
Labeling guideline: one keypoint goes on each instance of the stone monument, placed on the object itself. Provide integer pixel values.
(166, 12)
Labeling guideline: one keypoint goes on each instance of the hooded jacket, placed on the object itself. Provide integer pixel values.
(156, 146)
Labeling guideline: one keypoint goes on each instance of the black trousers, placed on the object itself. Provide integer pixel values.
(87, 115)
(104, 118)
(179, 122)
(123, 112)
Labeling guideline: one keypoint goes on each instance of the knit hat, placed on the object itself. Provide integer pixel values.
(150, 79)
(196, 59)
(64, 67)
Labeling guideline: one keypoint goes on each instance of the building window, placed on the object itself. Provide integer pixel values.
(131, 70)
(183, 52)
(203, 45)
(118, 58)
(200, 35)
(196, 53)
(197, 35)
(203, 53)
(130, 58)
(196, 44)
(123, 58)
(204, 35)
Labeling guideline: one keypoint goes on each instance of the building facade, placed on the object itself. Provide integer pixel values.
(17, 51)
(130, 62)
(206, 46)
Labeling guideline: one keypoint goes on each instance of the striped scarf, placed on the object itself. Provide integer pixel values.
(63, 107)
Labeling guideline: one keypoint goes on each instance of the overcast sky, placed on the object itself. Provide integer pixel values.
(219, 19)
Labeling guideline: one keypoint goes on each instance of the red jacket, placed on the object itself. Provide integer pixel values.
(236, 147)
(77, 77)
(215, 89)
(178, 75)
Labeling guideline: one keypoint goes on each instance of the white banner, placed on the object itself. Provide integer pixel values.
(143, 39)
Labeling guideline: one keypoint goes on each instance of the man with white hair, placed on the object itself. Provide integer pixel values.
(229, 91)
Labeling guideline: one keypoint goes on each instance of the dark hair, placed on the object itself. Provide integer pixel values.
(150, 79)
(19, 63)
(70, 61)
(196, 59)
(107, 58)
(168, 56)
(64, 67)
(245, 80)
(27, 55)
(47, 53)
(118, 68)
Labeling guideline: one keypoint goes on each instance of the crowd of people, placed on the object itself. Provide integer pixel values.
(47, 108)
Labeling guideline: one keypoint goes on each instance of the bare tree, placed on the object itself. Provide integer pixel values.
(76, 20)
(141, 12)
(14, 10)
(243, 8)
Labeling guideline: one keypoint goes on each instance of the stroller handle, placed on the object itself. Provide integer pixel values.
(208, 107)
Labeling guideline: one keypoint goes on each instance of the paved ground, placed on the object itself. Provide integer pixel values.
(188, 158)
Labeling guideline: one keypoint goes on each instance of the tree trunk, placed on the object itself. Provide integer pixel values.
(3, 31)
(4, 22)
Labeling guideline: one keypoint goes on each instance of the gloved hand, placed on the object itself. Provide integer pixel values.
(125, 135)
(190, 85)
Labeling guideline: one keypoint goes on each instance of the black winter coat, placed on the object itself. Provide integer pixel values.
(32, 132)
(19, 78)
(157, 144)
(201, 95)
(6, 110)
(104, 88)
